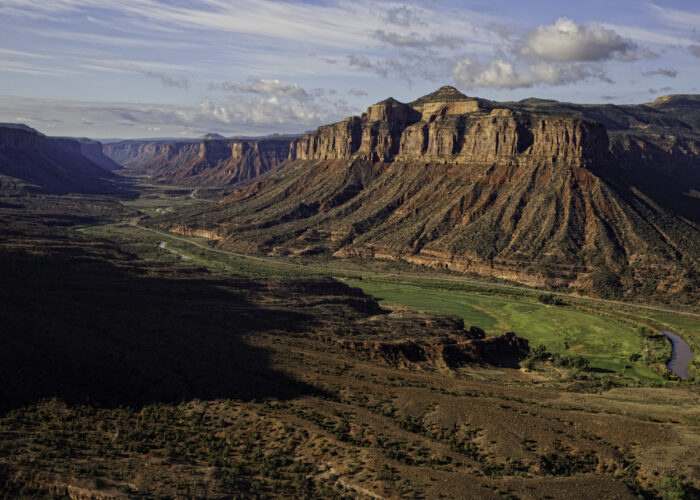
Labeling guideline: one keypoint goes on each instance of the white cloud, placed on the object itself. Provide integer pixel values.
(503, 74)
(558, 54)
(567, 41)
(242, 114)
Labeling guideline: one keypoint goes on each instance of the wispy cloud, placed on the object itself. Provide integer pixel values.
(676, 17)
(133, 40)
(671, 73)
(645, 35)
(357, 92)
(169, 80)
(265, 87)
(414, 40)
(22, 54)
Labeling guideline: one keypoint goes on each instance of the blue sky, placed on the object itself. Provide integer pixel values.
(150, 68)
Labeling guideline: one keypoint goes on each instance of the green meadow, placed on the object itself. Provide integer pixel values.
(606, 343)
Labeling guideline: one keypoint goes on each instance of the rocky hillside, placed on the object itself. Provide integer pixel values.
(31, 160)
(516, 191)
(205, 162)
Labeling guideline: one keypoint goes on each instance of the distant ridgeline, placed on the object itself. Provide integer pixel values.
(29, 160)
(602, 198)
(209, 161)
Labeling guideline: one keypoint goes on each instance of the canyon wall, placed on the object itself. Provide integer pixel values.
(457, 131)
(205, 162)
(54, 164)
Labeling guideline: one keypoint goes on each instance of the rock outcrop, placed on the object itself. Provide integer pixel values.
(442, 353)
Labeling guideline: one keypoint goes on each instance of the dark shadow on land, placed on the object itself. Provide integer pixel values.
(84, 329)
(599, 370)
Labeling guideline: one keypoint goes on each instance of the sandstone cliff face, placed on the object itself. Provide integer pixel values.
(206, 162)
(459, 131)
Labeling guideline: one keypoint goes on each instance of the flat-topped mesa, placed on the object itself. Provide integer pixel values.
(449, 126)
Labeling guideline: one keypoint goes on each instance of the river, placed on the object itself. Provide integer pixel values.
(680, 357)
(182, 256)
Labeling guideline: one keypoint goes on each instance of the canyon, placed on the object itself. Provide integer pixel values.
(205, 162)
(539, 193)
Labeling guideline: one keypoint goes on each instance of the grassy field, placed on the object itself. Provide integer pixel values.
(606, 343)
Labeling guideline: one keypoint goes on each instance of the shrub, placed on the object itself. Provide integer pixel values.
(646, 332)
(539, 353)
(550, 299)
(672, 488)
(476, 332)
(570, 361)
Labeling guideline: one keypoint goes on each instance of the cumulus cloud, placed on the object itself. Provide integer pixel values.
(671, 73)
(503, 74)
(567, 41)
(557, 54)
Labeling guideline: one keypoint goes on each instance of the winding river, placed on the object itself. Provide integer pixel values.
(680, 357)
(182, 256)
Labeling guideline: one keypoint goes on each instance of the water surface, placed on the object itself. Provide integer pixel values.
(680, 357)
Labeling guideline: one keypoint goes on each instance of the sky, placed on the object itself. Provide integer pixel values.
(182, 68)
